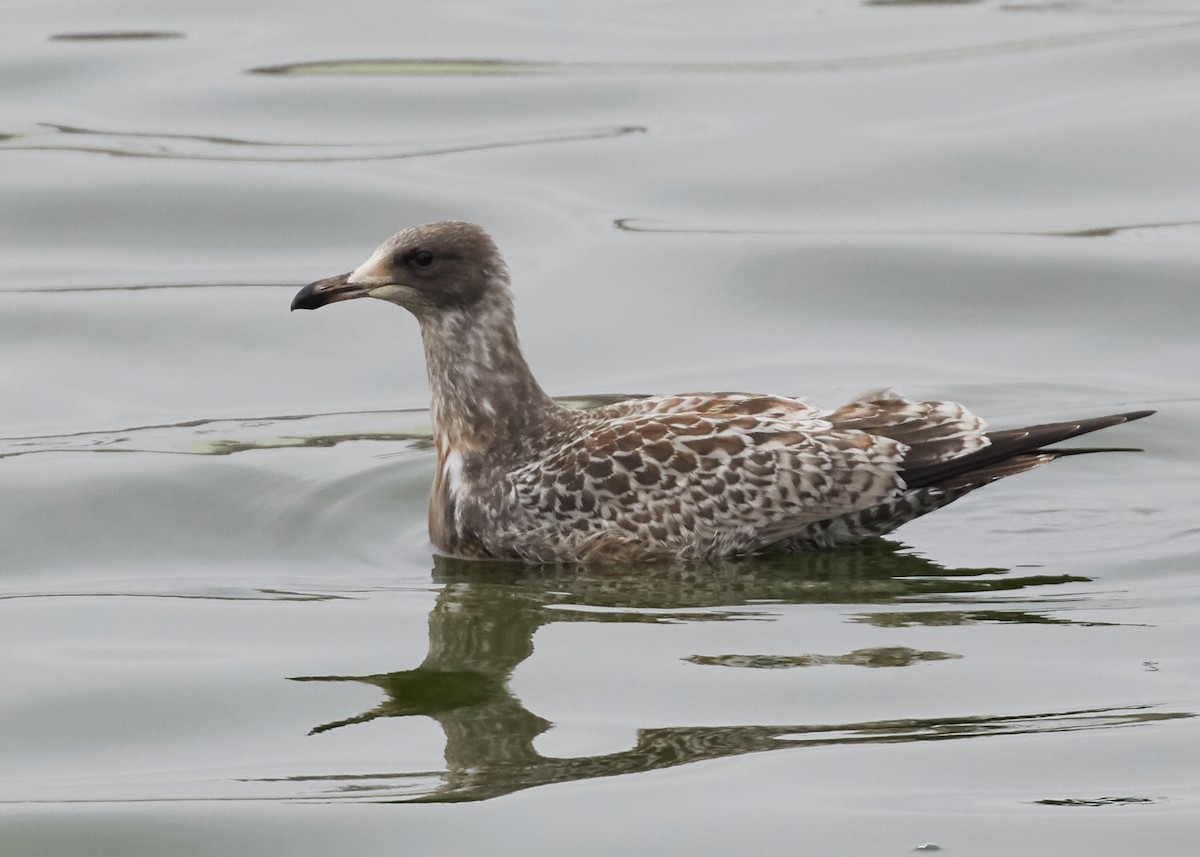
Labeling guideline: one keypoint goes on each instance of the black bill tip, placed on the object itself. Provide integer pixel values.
(327, 291)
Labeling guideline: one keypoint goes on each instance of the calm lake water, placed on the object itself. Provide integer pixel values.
(222, 627)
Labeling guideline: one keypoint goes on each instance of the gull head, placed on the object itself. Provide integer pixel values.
(428, 270)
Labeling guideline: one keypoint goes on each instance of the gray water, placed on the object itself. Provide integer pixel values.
(222, 627)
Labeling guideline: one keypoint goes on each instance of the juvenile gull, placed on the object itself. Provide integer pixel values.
(692, 476)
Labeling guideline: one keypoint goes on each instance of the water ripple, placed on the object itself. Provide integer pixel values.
(202, 147)
(492, 67)
(1175, 231)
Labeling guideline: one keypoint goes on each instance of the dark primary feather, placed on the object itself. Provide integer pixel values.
(1011, 451)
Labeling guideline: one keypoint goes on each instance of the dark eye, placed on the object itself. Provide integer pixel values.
(422, 258)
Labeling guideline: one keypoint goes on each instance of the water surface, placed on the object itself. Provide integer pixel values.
(223, 628)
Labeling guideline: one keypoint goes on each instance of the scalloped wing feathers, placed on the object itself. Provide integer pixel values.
(704, 475)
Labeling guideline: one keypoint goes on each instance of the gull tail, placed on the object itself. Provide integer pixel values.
(933, 486)
(1013, 451)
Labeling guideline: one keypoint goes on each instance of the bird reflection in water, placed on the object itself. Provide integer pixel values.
(483, 624)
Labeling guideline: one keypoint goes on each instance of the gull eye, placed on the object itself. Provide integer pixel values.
(422, 258)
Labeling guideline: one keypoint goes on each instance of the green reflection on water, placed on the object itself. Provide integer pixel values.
(483, 624)
(879, 571)
(945, 618)
(229, 447)
(879, 656)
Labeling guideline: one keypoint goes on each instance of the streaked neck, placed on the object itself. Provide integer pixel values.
(485, 398)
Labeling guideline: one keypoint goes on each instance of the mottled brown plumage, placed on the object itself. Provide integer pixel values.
(692, 476)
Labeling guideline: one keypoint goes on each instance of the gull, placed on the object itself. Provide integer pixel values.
(694, 476)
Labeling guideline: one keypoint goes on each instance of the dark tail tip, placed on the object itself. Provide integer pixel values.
(1012, 451)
